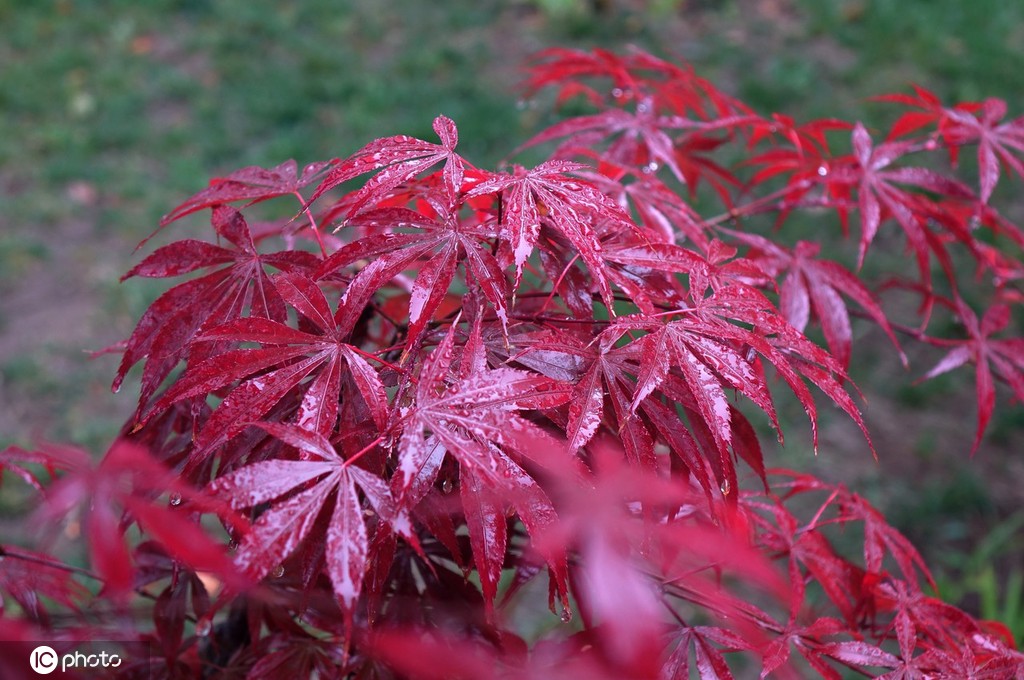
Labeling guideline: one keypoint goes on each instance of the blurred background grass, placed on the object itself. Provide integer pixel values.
(113, 111)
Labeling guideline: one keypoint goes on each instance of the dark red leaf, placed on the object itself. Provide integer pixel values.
(252, 184)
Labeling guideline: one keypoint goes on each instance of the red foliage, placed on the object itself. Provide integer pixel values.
(483, 377)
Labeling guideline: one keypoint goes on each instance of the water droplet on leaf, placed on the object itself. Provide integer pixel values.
(617, 92)
(279, 571)
(446, 486)
(203, 627)
(726, 487)
(566, 615)
(822, 170)
(175, 499)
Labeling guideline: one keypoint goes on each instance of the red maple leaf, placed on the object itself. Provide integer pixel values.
(474, 417)
(880, 195)
(1002, 357)
(241, 288)
(252, 185)
(303, 489)
(402, 158)
(288, 358)
(818, 285)
(999, 143)
(546, 194)
(126, 484)
(441, 243)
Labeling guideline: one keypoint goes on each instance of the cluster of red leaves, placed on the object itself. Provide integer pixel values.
(428, 391)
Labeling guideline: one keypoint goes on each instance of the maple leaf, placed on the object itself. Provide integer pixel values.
(707, 365)
(567, 67)
(52, 458)
(252, 185)
(402, 158)
(183, 593)
(1002, 357)
(569, 205)
(805, 639)
(288, 357)
(805, 157)
(311, 486)
(126, 482)
(643, 270)
(723, 315)
(597, 370)
(931, 111)
(25, 575)
(818, 285)
(879, 195)
(707, 659)
(436, 251)
(998, 142)
(301, 657)
(474, 418)
(803, 138)
(644, 143)
(691, 152)
(241, 287)
(634, 76)
(661, 211)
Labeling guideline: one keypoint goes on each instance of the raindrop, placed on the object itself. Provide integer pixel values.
(279, 571)
(203, 627)
(566, 615)
(931, 145)
(822, 170)
(650, 167)
(643, 107)
(446, 486)
(617, 92)
(232, 545)
(175, 499)
(726, 487)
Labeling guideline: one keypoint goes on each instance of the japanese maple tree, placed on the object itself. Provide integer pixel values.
(371, 436)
